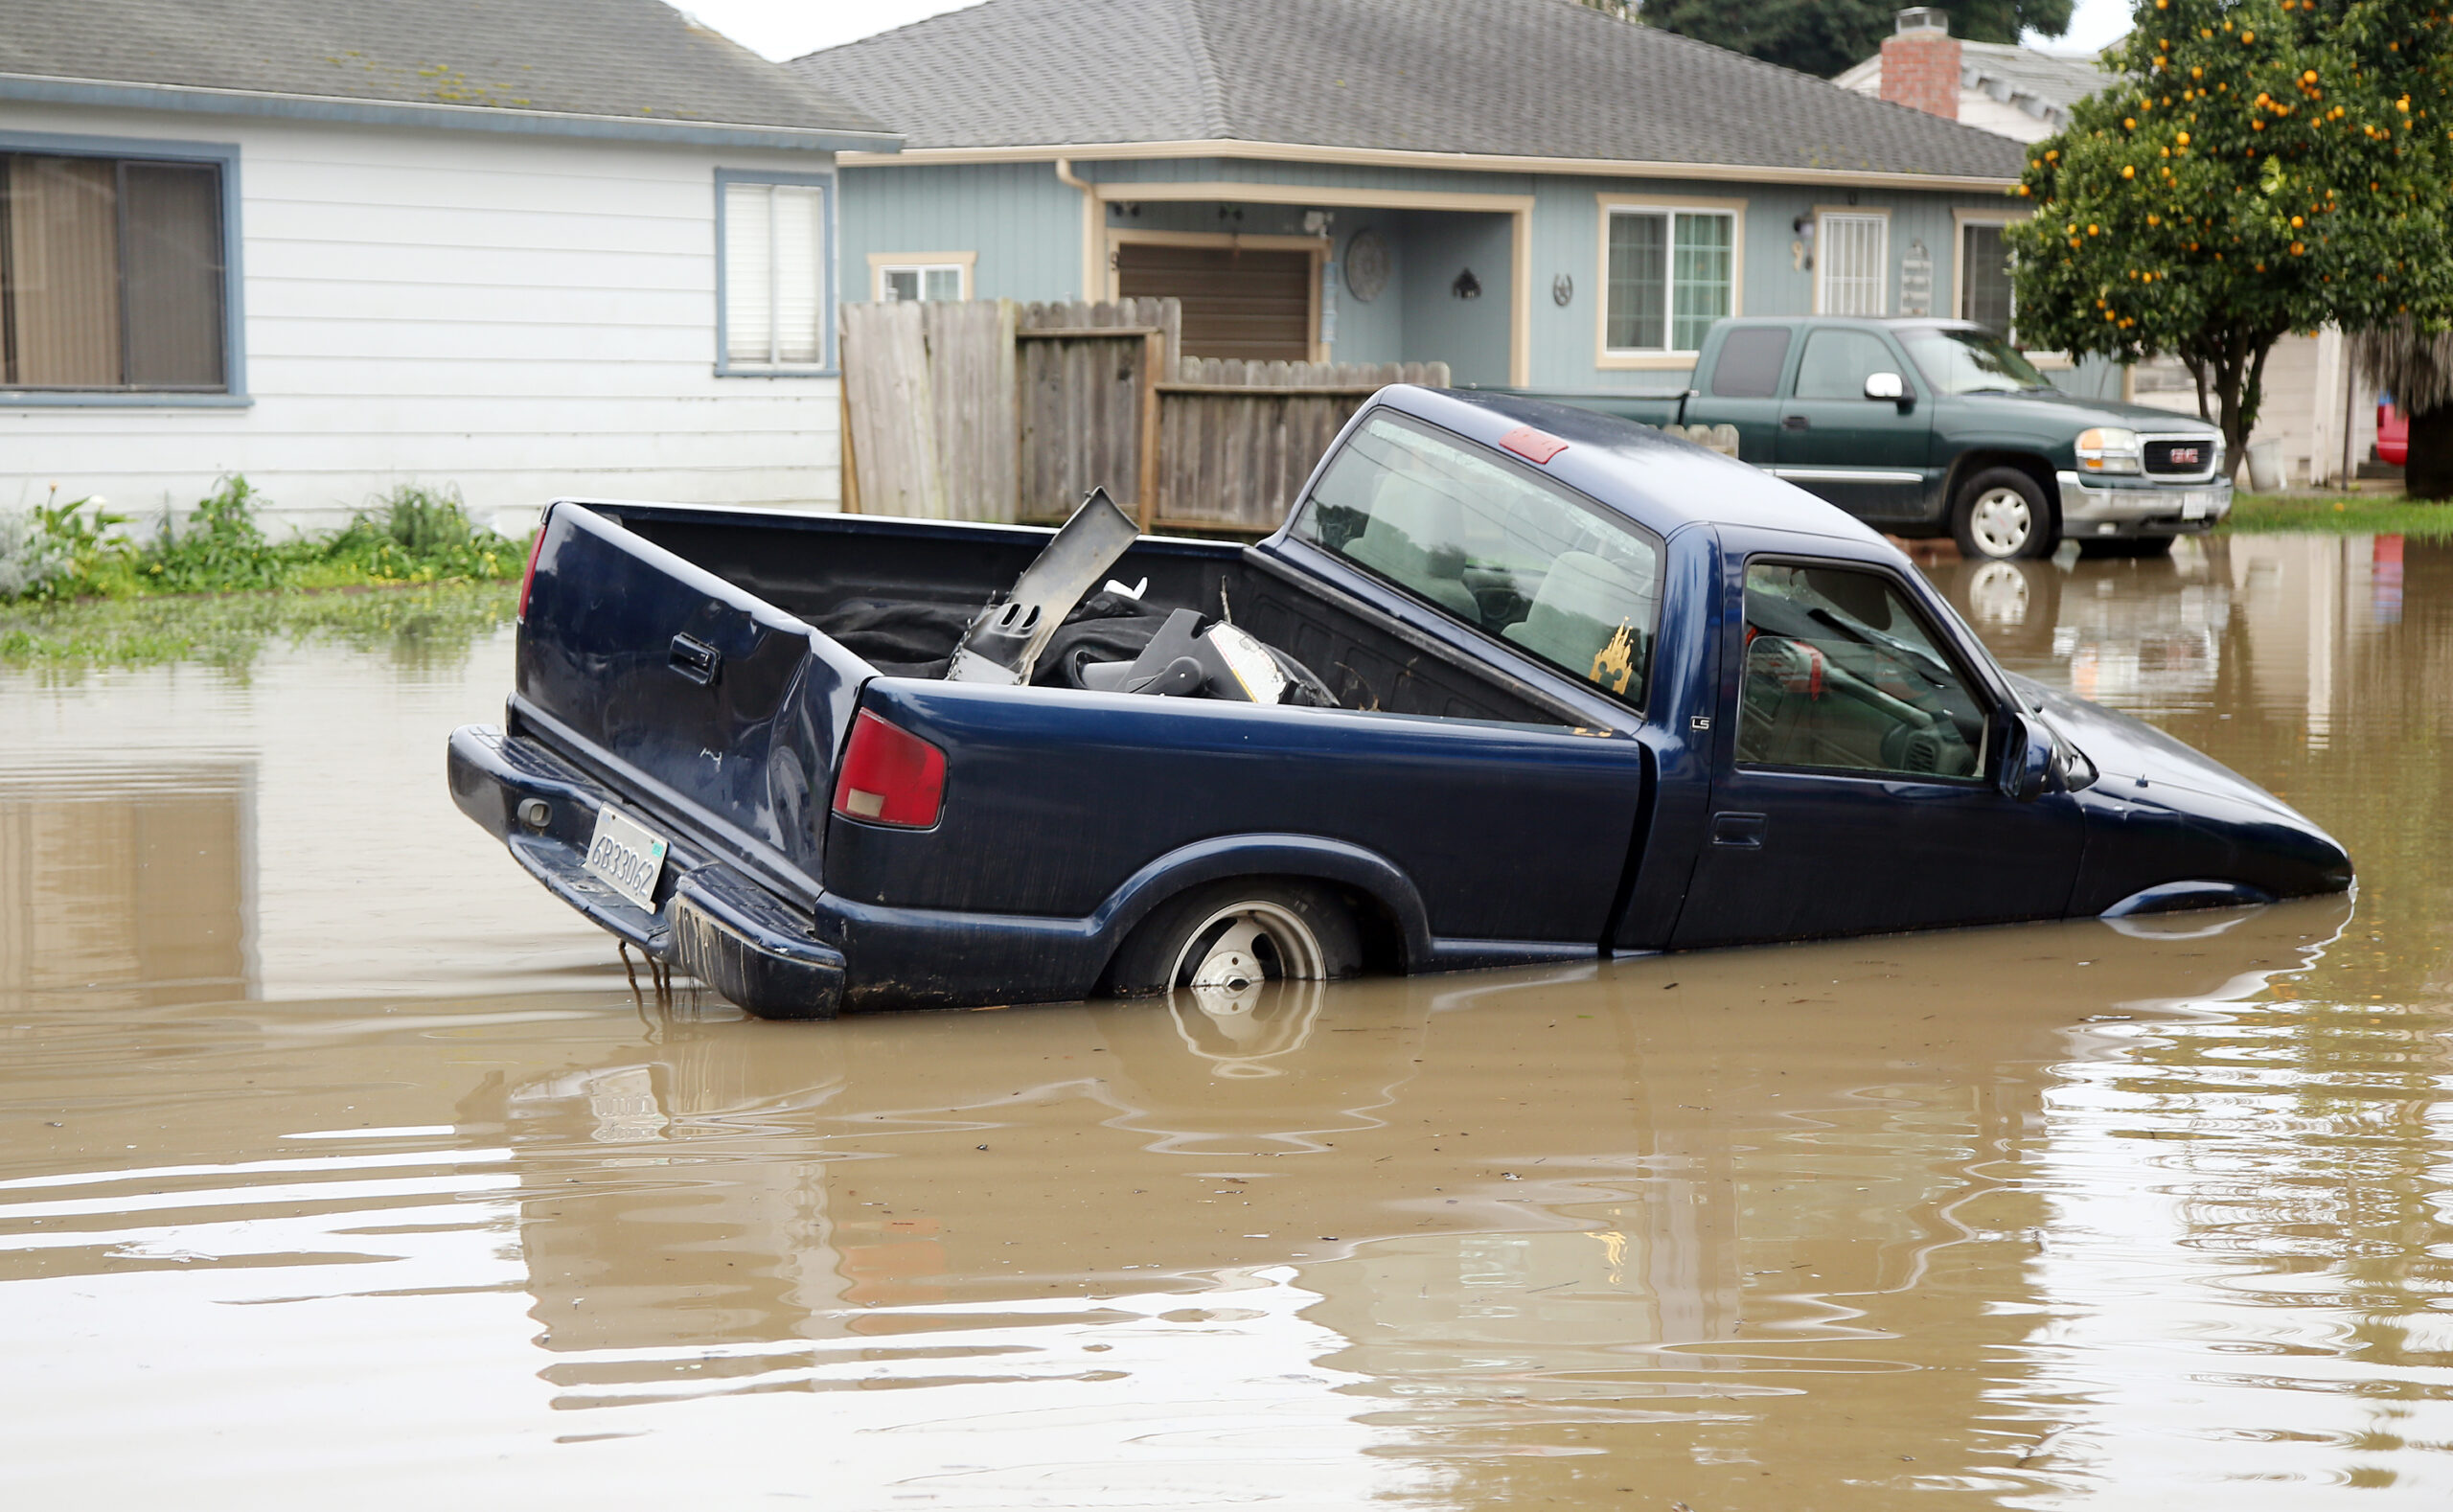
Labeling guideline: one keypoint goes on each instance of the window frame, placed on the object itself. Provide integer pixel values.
(1990, 697)
(964, 263)
(1823, 215)
(222, 157)
(827, 364)
(1610, 358)
(1300, 527)
(1961, 222)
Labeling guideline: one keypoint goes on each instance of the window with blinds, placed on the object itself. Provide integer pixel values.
(1849, 256)
(774, 270)
(1672, 273)
(111, 275)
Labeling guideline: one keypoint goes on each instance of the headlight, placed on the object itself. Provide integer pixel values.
(2108, 448)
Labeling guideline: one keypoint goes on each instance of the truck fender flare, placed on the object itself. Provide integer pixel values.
(1256, 856)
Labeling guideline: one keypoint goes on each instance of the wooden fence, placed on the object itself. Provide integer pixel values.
(991, 410)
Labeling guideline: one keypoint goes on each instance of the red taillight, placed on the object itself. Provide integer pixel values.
(890, 776)
(528, 577)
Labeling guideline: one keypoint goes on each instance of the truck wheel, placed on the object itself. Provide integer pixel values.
(1232, 935)
(2001, 515)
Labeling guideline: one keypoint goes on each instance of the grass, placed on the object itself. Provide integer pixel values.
(417, 626)
(2351, 514)
(61, 552)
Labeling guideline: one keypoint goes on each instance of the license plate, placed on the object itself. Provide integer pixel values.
(2194, 506)
(626, 857)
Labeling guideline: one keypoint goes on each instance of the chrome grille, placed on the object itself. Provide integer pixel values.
(2182, 456)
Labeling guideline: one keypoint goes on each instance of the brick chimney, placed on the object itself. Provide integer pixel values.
(1920, 63)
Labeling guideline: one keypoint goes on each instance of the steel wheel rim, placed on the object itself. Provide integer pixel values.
(2002, 522)
(1245, 944)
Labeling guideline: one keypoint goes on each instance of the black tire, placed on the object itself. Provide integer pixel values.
(1302, 932)
(2001, 515)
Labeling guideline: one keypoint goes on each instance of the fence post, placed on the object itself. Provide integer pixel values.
(1154, 362)
(848, 472)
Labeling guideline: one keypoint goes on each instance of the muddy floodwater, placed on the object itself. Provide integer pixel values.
(341, 1167)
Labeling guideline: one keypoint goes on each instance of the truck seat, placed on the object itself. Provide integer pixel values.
(1413, 538)
(1583, 603)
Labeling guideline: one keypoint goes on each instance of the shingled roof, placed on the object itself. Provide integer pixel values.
(633, 68)
(1531, 79)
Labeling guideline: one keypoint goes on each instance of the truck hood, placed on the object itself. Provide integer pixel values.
(2125, 749)
(2059, 409)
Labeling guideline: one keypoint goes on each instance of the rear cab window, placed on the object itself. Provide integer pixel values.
(1484, 540)
(1750, 362)
(1841, 674)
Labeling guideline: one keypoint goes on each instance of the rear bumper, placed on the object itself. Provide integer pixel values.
(710, 920)
(2092, 512)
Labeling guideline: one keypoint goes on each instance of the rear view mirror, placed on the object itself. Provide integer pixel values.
(1885, 385)
(2028, 761)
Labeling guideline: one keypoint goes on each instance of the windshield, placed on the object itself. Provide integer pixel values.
(1970, 362)
(1505, 552)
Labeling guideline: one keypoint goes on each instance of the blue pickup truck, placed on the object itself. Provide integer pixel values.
(1516, 682)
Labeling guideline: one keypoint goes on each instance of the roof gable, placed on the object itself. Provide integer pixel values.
(633, 60)
(1503, 78)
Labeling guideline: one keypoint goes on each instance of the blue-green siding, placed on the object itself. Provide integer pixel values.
(1027, 228)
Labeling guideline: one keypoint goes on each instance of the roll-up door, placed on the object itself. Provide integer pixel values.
(1238, 301)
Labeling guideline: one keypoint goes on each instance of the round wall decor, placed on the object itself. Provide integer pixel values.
(1367, 265)
(1562, 290)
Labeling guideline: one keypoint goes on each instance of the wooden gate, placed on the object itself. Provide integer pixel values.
(990, 410)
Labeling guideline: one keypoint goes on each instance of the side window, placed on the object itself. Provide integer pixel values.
(774, 276)
(111, 275)
(1837, 362)
(1750, 362)
(1511, 555)
(1841, 676)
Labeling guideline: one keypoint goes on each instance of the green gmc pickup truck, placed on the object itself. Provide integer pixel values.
(1935, 427)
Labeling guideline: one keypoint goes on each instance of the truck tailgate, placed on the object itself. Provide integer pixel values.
(716, 712)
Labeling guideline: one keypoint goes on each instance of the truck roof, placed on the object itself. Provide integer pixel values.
(1658, 481)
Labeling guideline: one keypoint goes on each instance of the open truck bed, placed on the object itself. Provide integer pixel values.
(1540, 688)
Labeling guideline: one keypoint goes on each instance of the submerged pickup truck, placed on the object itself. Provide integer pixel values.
(1939, 427)
(1515, 682)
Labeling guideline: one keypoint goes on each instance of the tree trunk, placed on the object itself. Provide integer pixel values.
(2428, 474)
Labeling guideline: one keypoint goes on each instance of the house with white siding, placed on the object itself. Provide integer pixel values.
(1530, 190)
(521, 249)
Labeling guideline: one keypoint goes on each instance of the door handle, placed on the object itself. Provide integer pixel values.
(696, 659)
(1796, 423)
(1743, 831)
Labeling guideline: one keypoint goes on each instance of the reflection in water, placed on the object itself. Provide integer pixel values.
(135, 886)
(2085, 1213)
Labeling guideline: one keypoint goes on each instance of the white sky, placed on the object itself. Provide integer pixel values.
(783, 29)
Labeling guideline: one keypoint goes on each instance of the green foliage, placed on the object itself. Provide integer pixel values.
(222, 549)
(2261, 167)
(416, 535)
(1824, 37)
(2332, 514)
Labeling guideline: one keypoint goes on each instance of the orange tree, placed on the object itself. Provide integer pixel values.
(2259, 167)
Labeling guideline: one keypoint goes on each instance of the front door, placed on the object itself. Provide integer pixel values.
(1865, 455)
(1856, 797)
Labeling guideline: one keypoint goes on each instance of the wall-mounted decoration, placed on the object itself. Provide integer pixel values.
(1917, 280)
(1367, 266)
(1563, 290)
(1467, 286)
